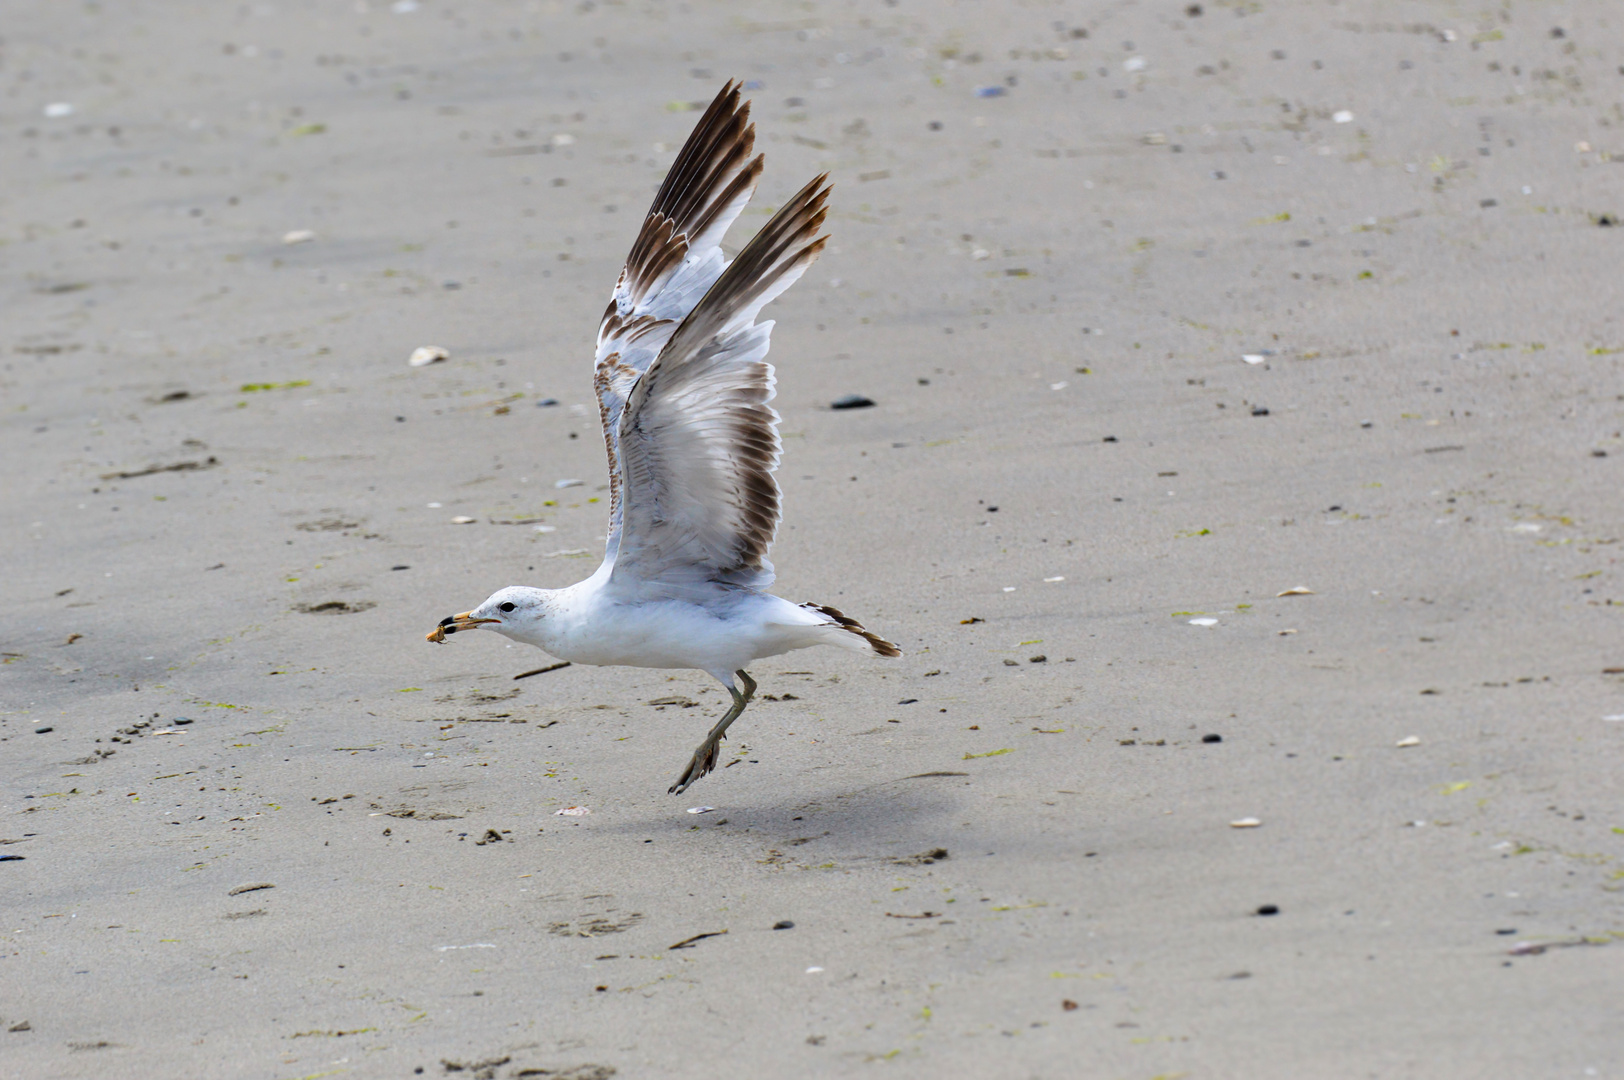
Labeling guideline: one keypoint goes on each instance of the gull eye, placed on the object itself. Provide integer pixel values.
(508, 606)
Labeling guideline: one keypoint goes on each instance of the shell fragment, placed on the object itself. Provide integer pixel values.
(424, 355)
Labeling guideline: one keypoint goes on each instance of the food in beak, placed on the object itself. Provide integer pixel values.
(452, 623)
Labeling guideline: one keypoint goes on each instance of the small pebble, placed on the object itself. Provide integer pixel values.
(1268, 909)
(851, 401)
(783, 924)
(181, 721)
(1212, 738)
(1038, 659)
(43, 730)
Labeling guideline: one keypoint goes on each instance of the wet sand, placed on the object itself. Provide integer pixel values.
(1057, 231)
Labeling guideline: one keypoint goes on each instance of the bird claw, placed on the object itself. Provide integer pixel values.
(703, 761)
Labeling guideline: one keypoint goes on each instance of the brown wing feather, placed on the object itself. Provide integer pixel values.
(758, 268)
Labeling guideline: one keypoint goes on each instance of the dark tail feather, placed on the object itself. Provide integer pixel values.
(875, 641)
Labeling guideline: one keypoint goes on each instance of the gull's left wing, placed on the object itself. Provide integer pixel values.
(697, 441)
(675, 260)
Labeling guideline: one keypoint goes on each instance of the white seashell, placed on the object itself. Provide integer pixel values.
(1342, 116)
(562, 484)
(572, 811)
(298, 236)
(1203, 622)
(1409, 740)
(1296, 590)
(56, 110)
(462, 520)
(1245, 823)
(424, 355)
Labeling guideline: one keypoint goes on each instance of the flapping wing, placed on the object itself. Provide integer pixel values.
(676, 259)
(698, 441)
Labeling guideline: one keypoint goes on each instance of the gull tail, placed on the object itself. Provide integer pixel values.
(855, 637)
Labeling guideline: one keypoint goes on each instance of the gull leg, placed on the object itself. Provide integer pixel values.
(704, 759)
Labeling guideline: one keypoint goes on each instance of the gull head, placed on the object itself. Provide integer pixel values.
(510, 612)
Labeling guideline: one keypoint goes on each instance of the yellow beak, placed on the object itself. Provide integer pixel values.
(452, 623)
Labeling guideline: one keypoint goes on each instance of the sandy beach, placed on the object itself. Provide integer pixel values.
(1242, 483)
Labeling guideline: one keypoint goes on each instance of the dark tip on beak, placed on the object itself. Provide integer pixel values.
(447, 623)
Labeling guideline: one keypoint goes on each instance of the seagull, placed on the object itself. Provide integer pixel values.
(683, 387)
